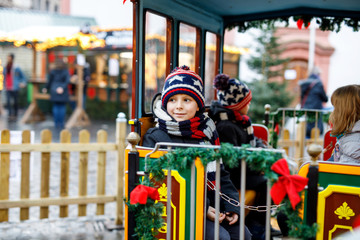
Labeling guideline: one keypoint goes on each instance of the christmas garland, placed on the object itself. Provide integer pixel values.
(182, 158)
(325, 23)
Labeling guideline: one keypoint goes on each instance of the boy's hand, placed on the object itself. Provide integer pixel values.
(231, 217)
(211, 215)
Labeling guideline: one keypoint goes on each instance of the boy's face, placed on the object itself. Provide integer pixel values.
(245, 109)
(182, 107)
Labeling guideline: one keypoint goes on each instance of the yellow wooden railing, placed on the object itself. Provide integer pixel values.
(66, 148)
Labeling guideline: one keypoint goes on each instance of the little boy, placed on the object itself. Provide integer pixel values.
(181, 119)
(234, 126)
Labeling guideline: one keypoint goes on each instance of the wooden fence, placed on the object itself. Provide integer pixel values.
(299, 142)
(65, 147)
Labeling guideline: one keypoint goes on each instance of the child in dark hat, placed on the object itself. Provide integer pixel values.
(229, 113)
(181, 118)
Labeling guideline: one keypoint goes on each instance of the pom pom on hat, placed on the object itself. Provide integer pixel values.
(221, 82)
(232, 93)
(183, 81)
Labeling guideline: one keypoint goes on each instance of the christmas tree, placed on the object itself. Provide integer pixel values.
(271, 87)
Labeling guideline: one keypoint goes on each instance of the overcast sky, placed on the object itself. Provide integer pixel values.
(108, 13)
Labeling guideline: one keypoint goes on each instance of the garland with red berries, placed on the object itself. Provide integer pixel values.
(325, 23)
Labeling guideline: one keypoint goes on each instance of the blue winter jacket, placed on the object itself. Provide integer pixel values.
(58, 78)
(18, 77)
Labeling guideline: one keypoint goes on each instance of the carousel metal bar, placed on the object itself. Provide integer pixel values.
(157, 147)
(217, 199)
(168, 205)
(268, 216)
(242, 199)
(205, 194)
(303, 109)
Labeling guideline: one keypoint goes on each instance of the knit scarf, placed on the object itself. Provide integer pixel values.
(199, 127)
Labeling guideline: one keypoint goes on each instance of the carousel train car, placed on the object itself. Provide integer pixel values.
(338, 197)
(192, 33)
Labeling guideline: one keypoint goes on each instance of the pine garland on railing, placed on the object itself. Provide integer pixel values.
(182, 158)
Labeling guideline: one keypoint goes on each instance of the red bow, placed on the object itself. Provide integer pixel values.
(124, 1)
(141, 193)
(286, 184)
(300, 22)
(356, 223)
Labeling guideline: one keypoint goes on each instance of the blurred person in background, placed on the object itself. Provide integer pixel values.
(14, 79)
(312, 97)
(57, 86)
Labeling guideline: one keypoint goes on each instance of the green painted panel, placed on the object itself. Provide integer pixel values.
(338, 179)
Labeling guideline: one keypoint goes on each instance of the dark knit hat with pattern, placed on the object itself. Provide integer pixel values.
(232, 93)
(184, 81)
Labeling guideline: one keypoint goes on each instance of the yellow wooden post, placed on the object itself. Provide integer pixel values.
(84, 137)
(315, 135)
(101, 171)
(65, 137)
(120, 142)
(286, 137)
(4, 175)
(25, 176)
(300, 138)
(45, 172)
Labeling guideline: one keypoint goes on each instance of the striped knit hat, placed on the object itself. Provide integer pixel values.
(232, 93)
(183, 81)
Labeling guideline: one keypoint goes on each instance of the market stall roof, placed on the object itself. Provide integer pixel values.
(42, 33)
(20, 27)
(15, 19)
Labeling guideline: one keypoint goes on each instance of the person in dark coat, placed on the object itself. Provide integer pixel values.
(57, 86)
(229, 113)
(312, 97)
(181, 119)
